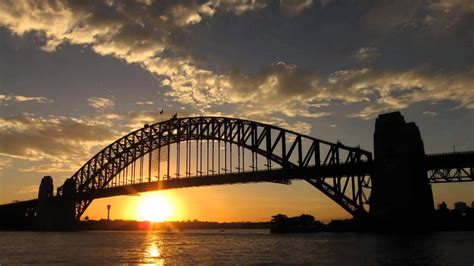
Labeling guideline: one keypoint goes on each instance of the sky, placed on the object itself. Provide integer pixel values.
(77, 75)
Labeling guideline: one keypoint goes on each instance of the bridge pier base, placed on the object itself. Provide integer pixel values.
(55, 213)
(401, 199)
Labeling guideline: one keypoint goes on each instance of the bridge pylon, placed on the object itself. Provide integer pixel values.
(55, 213)
(401, 197)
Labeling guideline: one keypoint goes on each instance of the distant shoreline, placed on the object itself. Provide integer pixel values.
(334, 226)
(130, 225)
(443, 220)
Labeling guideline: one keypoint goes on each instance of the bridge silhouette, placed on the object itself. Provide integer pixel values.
(204, 151)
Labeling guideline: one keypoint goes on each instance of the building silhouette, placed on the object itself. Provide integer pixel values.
(460, 206)
(442, 206)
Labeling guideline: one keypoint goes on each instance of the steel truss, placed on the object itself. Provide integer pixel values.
(451, 175)
(279, 147)
(450, 167)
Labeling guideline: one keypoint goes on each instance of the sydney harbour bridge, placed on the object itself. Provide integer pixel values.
(393, 182)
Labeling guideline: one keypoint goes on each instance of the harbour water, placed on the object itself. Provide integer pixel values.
(235, 247)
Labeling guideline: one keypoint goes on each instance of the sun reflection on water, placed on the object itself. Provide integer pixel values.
(152, 253)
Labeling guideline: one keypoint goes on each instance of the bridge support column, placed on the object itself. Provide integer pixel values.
(401, 197)
(55, 213)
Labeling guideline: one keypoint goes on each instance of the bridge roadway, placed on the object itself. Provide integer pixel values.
(450, 167)
(449, 160)
(435, 163)
(282, 176)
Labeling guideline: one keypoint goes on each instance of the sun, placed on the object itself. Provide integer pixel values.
(154, 208)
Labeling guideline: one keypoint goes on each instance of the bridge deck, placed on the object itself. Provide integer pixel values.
(21, 204)
(442, 168)
(449, 160)
(282, 176)
(450, 167)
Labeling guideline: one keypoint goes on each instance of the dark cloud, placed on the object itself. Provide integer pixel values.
(294, 7)
(6, 99)
(57, 139)
(353, 51)
(100, 103)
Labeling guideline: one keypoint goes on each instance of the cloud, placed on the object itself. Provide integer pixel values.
(152, 34)
(395, 90)
(64, 144)
(5, 162)
(294, 7)
(55, 138)
(144, 103)
(386, 14)
(239, 7)
(5, 99)
(301, 127)
(131, 30)
(288, 90)
(435, 18)
(430, 113)
(366, 54)
(135, 120)
(100, 104)
(298, 126)
(48, 166)
(280, 88)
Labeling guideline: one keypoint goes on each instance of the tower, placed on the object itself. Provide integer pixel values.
(108, 211)
(56, 212)
(401, 198)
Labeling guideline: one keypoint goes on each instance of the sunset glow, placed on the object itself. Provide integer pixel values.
(155, 207)
(77, 76)
(207, 132)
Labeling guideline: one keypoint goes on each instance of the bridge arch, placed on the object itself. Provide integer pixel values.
(286, 148)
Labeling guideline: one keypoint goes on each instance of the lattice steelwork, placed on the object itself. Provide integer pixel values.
(217, 146)
(450, 167)
(451, 175)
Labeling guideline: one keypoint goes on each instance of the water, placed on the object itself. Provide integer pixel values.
(236, 247)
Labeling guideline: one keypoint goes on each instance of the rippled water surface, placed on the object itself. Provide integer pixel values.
(236, 247)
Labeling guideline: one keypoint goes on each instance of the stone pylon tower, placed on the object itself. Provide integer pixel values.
(55, 213)
(401, 198)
